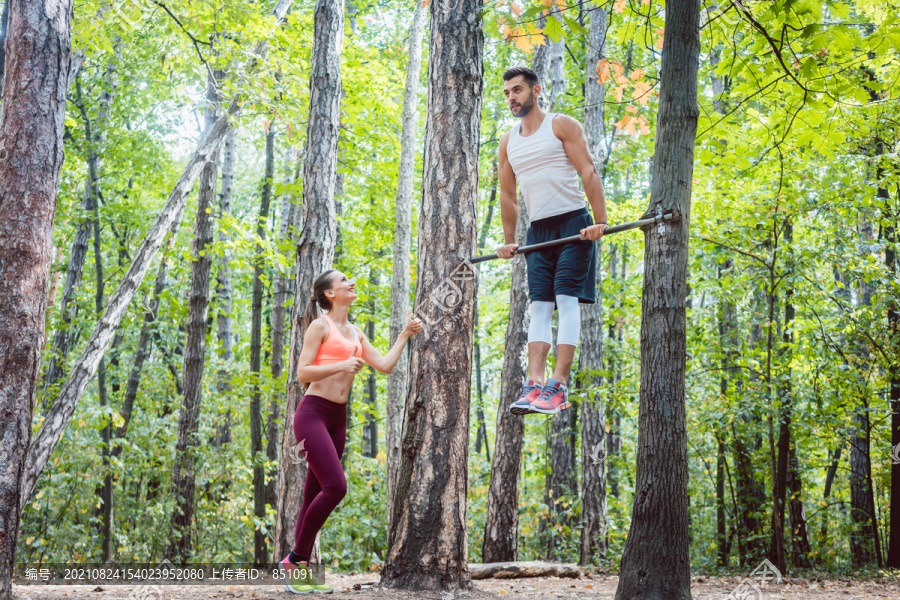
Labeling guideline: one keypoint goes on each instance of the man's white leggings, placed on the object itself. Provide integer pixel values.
(569, 321)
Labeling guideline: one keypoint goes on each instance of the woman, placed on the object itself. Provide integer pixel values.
(333, 353)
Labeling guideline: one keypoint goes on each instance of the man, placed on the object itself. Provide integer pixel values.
(544, 154)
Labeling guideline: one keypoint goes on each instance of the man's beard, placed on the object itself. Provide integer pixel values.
(523, 109)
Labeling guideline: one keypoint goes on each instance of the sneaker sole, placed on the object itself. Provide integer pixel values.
(287, 586)
(517, 409)
(550, 411)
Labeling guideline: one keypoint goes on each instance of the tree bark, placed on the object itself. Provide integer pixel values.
(290, 212)
(800, 546)
(399, 378)
(31, 137)
(315, 249)
(655, 561)
(224, 291)
(258, 457)
(893, 318)
(183, 476)
(428, 542)
(515, 570)
(501, 528)
(55, 422)
(593, 544)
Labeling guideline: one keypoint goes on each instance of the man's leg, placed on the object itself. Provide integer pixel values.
(567, 335)
(540, 336)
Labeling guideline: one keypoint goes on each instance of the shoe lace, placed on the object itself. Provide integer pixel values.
(549, 391)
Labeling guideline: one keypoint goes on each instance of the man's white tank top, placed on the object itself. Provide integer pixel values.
(548, 181)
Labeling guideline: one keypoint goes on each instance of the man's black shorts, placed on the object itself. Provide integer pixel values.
(567, 269)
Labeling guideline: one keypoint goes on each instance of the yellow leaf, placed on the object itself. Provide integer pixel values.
(620, 93)
(636, 74)
(524, 44)
(35, 506)
(624, 122)
(561, 4)
(619, 6)
(29, 540)
(632, 110)
(630, 128)
(538, 39)
(645, 2)
(644, 125)
(515, 10)
(618, 68)
(503, 592)
(40, 495)
(588, 587)
(641, 92)
(547, 2)
(602, 71)
(426, 3)
(659, 42)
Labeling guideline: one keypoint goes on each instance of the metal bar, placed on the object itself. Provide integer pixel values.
(576, 238)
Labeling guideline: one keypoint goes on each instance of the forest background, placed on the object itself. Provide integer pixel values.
(792, 319)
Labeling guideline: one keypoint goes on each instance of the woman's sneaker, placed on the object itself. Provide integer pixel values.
(552, 400)
(530, 392)
(317, 586)
(295, 577)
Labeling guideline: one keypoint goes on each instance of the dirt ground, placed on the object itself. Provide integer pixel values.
(364, 587)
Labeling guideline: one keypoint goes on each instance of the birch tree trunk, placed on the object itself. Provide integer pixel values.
(224, 291)
(31, 133)
(183, 476)
(315, 249)
(55, 422)
(593, 410)
(428, 542)
(501, 527)
(399, 377)
(655, 561)
(256, 446)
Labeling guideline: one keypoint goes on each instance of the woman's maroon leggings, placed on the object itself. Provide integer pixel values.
(322, 427)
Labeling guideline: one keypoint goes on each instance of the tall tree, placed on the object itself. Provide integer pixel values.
(501, 527)
(224, 290)
(593, 543)
(315, 249)
(183, 476)
(399, 377)
(83, 371)
(655, 561)
(31, 131)
(258, 457)
(890, 214)
(427, 543)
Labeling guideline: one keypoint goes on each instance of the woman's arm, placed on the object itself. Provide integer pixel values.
(385, 364)
(307, 372)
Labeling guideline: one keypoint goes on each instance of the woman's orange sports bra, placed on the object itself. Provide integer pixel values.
(336, 347)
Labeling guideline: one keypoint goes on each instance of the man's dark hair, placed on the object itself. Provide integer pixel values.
(527, 74)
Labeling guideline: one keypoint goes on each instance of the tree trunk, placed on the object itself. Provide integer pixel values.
(594, 543)
(800, 547)
(428, 542)
(256, 447)
(315, 249)
(370, 429)
(399, 377)
(655, 561)
(55, 422)
(501, 528)
(290, 211)
(31, 128)
(893, 319)
(183, 476)
(224, 292)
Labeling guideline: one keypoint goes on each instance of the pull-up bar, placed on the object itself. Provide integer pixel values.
(577, 238)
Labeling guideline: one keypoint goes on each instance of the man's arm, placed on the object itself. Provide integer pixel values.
(570, 133)
(509, 204)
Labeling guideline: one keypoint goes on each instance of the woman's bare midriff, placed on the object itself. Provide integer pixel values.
(334, 387)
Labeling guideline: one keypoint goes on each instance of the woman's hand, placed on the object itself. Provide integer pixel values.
(352, 365)
(413, 326)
